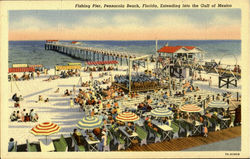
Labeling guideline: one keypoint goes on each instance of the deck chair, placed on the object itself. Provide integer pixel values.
(157, 136)
(76, 147)
(118, 139)
(31, 148)
(107, 147)
(232, 122)
(142, 134)
(61, 145)
(121, 142)
(150, 134)
(15, 147)
(175, 129)
(189, 132)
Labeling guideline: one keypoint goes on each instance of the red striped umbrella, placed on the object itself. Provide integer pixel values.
(190, 108)
(46, 128)
(127, 117)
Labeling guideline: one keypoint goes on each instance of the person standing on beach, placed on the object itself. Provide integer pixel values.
(210, 82)
(71, 102)
(74, 89)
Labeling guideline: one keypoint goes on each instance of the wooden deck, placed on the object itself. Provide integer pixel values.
(184, 143)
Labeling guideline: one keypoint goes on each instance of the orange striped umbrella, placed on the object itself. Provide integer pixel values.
(46, 128)
(190, 108)
(127, 117)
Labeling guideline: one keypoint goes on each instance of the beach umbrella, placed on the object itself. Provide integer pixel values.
(161, 112)
(89, 123)
(127, 117)
(46, 128)
(218, 104)
(190, 108)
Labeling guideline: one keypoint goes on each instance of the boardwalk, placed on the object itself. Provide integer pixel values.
(185, 143)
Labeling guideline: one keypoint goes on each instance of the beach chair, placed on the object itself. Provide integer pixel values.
(150, 133)
(142, 134)
(232, 122)
(77, 148)
(15, 147)
(121, 141)
(107, 147)
(61, 145)
(31, 148)
(188, 130)
(157, 136)
(213, 124)
(217, 127)
(176, 128)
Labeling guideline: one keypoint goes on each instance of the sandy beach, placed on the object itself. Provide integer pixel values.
(58, 110)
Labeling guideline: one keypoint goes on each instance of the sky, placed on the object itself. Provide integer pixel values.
(174, 24)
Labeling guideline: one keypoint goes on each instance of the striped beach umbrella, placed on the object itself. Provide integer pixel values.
(127, 117)
(161, 112)
(218, 104)
(89, 123)
(46, 129)
(190, 108)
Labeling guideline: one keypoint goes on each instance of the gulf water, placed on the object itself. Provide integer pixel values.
(33, 52)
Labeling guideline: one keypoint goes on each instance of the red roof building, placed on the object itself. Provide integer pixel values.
(176, 49)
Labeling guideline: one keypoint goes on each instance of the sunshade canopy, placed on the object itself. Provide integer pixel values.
(161, 112)
(46, 128)
(190, 108)
(89, 123)
(218, 104)
(127, 117)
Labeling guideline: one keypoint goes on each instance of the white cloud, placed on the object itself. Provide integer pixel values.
(224, 21)
(29, 23)
(172, 21)
(91, 21)
(120, 19)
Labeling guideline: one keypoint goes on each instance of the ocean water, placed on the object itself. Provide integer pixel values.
(33, 52)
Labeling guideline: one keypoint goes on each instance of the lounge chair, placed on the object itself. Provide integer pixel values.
(176, 128)
(157, 136)
(76, 147)
(61, 145)
(107, 147)
(31, 148)
(142, 134)
(121, 142)
(232, 121)
(15, 147)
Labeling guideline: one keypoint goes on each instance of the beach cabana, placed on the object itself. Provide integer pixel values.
(161, 112)
(89, 123)
(127, 117)
(45, 129)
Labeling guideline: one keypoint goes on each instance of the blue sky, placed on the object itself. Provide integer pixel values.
(64, 20)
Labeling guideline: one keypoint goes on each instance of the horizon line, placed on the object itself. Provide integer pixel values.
(135, 40)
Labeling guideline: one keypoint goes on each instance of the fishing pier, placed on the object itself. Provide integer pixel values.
(93, 54)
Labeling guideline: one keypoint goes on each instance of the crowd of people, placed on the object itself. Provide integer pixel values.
(24, 116)
(100, 68)
(69, 73)
(139, 81)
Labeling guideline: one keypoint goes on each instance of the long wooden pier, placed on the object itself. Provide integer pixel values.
(90, 53)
